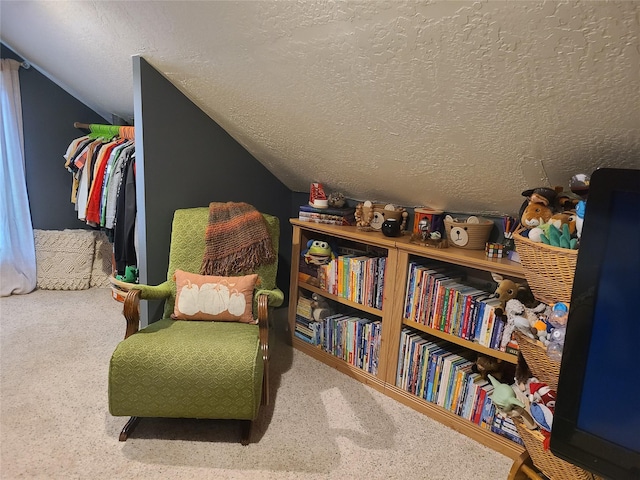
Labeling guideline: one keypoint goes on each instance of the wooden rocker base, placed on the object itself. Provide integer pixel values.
(128, 428)
(132, 423)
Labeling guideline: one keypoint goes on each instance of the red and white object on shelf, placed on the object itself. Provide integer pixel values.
(317, 197)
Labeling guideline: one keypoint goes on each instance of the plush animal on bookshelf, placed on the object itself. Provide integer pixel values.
(508, 289)
(523, 375)
(320, 307)
(541, 393)
(486, 365)
(318, 252)
(505, 399)
(523, 319)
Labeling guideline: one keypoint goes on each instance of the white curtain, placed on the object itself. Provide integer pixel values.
(17, 248)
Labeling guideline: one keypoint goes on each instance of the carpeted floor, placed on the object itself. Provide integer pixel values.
(54, 423)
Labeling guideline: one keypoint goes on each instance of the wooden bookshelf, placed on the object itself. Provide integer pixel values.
(400, 251)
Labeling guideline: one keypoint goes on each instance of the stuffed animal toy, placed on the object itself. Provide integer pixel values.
(535, 214)
(336, 200)
(559, 237)
(486, 365)
(542, 195)
(318, 253)
(516, 321)
(508, 289)
(580, 209)
(320, 308)
(565, 217)
(542, 393)
(525, 320)
(503, 396)
(523, 375)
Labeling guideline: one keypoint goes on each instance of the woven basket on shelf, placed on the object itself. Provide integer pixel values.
(549, 270)
(478, 233)
(545, 461)
(541, 366)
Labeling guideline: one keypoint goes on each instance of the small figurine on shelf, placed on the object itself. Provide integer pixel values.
(336, 200)
(364, 215)
(317, 197)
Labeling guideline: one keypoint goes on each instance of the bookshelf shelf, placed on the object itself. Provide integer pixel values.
(344, 301)
(400, 252)
(507, 357)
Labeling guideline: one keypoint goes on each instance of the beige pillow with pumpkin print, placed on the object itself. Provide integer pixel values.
(209, 297)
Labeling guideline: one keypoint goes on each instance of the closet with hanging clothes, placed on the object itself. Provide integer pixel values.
(103, 189)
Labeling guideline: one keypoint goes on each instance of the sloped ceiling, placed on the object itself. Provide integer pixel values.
(456, 105)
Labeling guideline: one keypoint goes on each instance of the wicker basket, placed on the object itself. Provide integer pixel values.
(119, 289)
(478, 233)
(541, 366)
(549, 270)
(545, 461)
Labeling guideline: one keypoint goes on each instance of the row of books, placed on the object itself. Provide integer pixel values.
(442, 374)
(437, 297)
(308, 330)
(359, 278)
(355, 340)
(330, 216)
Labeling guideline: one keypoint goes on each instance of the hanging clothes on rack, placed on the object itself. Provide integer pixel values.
(100, 162)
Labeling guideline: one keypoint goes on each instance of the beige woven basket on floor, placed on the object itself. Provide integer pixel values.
(549, 270)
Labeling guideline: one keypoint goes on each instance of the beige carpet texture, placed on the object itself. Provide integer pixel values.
(55, 348)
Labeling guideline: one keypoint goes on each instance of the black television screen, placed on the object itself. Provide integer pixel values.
(596, 423)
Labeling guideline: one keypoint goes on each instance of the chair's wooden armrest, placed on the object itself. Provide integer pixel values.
(131, 311)
(263, 325)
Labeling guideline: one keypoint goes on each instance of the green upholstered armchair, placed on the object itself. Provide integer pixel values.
(193, 369)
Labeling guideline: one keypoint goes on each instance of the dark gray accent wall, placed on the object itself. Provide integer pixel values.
(48, 114)
(185, 159)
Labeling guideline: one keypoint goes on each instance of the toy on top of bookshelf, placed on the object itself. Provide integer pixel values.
(336, 200)
(370, 216)
(428, 228)
(317, 197)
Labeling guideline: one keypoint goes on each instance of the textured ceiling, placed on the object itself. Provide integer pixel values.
(456, 105)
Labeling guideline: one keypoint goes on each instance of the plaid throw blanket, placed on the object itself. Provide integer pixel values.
(236, 240)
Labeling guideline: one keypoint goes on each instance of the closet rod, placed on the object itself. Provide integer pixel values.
(86, 126)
